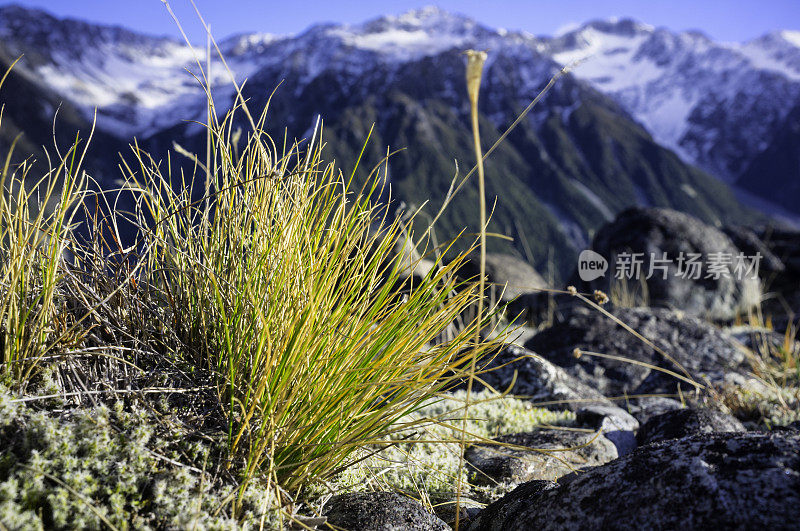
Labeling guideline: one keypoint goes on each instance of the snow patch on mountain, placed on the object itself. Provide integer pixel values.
(792, 37)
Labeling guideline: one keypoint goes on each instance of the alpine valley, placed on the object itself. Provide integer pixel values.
(644, 117)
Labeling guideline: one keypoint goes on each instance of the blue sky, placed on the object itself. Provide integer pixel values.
(727, 20)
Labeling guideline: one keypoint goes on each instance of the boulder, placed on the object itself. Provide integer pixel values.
(658, 233)
(680, 423)
(444, 505)
(784, 243)
(700, 348)
(616, 424)
(514, 282)
(645, 408)
(537, 380)
(511, 275)
(380, 511)
(512, 503)
(571, 450)
(747, 241)
(712, 481)
(782, 303)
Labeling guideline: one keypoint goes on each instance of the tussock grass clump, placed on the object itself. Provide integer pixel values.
(276, 280)
(278, 284)
(774, 358)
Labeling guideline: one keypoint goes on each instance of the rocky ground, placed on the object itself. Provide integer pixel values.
(691, 422)
(676, 405)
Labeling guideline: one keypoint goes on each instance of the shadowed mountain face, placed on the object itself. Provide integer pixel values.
(775, 172)
(576, 161)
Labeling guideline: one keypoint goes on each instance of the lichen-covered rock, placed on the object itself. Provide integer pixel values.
(714, 481)
(687, 422)
(512, 503)
(491, 464)
(537, 380)
(380, 511)
(654, 232)
(700, 348)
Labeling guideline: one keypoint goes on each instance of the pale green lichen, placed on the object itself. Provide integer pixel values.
(425, 460)
(770, 406)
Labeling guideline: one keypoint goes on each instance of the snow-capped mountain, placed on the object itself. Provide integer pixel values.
(141, 84)
(716, 104)
(584, 154)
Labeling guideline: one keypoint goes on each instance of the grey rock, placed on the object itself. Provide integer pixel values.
(784, 243)
(445, 508)
(645, 408)
(681, 423)
(654, 231)
(380, 511)
(512, 503)
(491, 464)
(783, 302)
(511, 275)
(537, 380)
(616, 424)
(713, 481)
(700, 348)
(747, 241)
(514, 282)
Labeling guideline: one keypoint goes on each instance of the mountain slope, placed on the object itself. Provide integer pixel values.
(36, 116)
(572, 165)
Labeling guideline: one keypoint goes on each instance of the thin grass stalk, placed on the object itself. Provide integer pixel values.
(475, 60)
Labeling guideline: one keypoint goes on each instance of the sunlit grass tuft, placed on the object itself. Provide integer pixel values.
(280, 285)
(35, 217)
